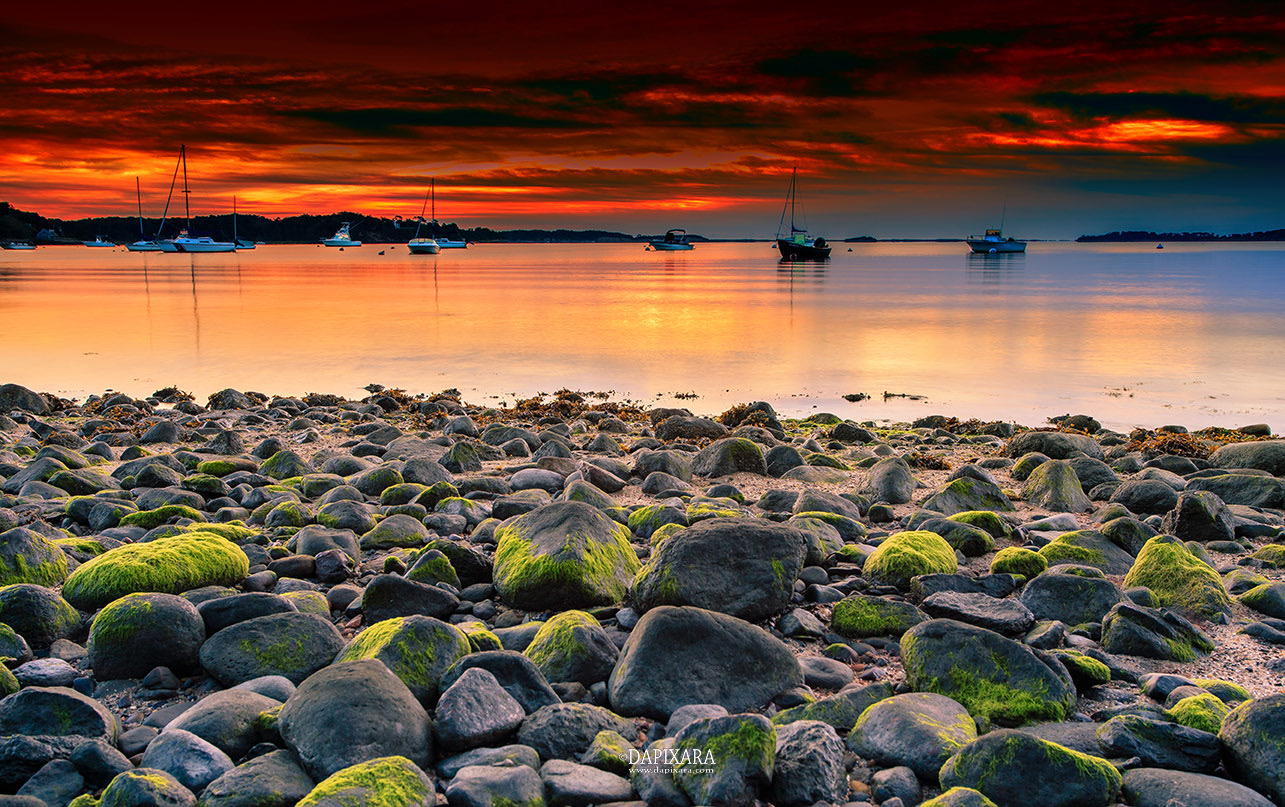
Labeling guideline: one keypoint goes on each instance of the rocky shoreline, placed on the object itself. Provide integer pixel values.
(411, 600)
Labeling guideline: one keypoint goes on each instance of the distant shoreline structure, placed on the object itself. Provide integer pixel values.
(1121, 236)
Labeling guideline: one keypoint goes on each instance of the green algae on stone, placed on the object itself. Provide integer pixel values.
(151, 519)
(905, 555)
(1012, 767)
(417, 649)
(563, 555)
(1229, 692)
(572, 646)
(480, 638)
(1204, 711)
(1018, 560)
(379, 782)
(26, 556)
(1085, 671)
(170, 565)
(1178, 578)
(861, 615)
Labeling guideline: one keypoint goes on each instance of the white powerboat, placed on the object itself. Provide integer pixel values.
(673, 241)
(995, 242)
(145, 246)
(99, 242)
(449, 243)
(17, 245)
(341, 238)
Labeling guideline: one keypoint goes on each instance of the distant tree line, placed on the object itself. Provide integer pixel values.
(21, 225)
(1146, 235)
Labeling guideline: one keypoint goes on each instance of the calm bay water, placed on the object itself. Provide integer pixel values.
(1192, 334)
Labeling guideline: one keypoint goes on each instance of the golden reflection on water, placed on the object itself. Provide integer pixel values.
(1113, 330)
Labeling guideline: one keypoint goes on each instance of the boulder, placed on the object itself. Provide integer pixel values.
(417, 649)
(134, 634)
(271, 780)
(1159, 743)
(679, 656)
(1146, 496)
(1179, 579)
(919, 730)
(389, 596)
(26, 556)
(809, 765)
(37, 614)
(742, 567)
(563, 555)
(1007, 616)
(566, 730)
(728, 456)
(1154, 787)
(738, 755)
(354, 712)
(1253, 738)
(1054, 445)
(1055, 486)
(1001, 765)
(573, 647)
(229, 720)
(391, 781)
(1133, 630)
(475, 710)
(967, 493)
(859, 616)
(170, 565)
(147, 787)
(889, 480)
(194, 762)
(1262, 455)
(905, 555)
(1070, 598)
(1087, 548)
(997, 679)
(292, 645)
(1199, 516)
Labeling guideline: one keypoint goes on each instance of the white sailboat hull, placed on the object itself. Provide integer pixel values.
(446, 243)
(145, 246)
(203, 245)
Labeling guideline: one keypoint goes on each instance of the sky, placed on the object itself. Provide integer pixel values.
(909, 119)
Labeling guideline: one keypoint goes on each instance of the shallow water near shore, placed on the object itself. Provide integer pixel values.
(1192, 334)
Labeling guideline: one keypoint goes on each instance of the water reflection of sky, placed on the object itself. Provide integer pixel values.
(1130, 334)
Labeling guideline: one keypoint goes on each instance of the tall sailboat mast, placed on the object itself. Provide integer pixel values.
(139, 191)
(187, 194)
(166, 214)
(794, 192)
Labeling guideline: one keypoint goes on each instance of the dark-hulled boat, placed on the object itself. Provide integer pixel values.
(798, 246)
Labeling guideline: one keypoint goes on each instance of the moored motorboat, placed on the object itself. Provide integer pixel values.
(798, 246)
(675, 240)
(342, 238)
(451, 243)
(99, 242)
(995, 242)
(17, 245)
(200, 243)
(145, 246)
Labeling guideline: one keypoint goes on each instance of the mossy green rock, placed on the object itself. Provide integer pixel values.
(1054, 486)
(37, 613)
(741, 567)
(26, 556)
(395, 531)
(289, 644)
(380, 782)
(271, 780)
(905, 555)
(1204, 712)
(151, 519)
(1133, 630)
(823, 538)
(1014, 768)
(743, 750)
(1253, 739)
(647, 519)
(861, 615)
(285, 465)
(986, 520)
(967, 493)
(132, 635)
(146, 786)
(840, 710)
(1018, 560)
(920, 730)
(432, 567)
(563, 555)
(417, 649)
(572, 646)
(1087, 548)
(1267, 599)
(168, 565)
(1085, 671)
(996, 679)
(972, 542)
(960, 797)
(728, 456)
(1178, 578)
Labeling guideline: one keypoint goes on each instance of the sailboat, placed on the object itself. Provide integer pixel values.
(442, 241)
(799, 246)
(241, 243)
(424, 246)
(993, 241)
(143, 244)
(195, 243)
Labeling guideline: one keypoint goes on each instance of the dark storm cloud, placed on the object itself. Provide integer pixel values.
(403, 122)
(1185, 105)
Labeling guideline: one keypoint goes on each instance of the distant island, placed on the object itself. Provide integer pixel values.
(21, 225)
(1146, 235)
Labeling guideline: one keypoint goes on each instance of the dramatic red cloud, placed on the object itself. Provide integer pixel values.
(589, 114)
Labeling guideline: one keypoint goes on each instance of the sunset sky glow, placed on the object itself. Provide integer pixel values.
(910, 119)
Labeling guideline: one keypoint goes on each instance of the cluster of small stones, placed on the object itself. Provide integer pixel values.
(415, 601)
